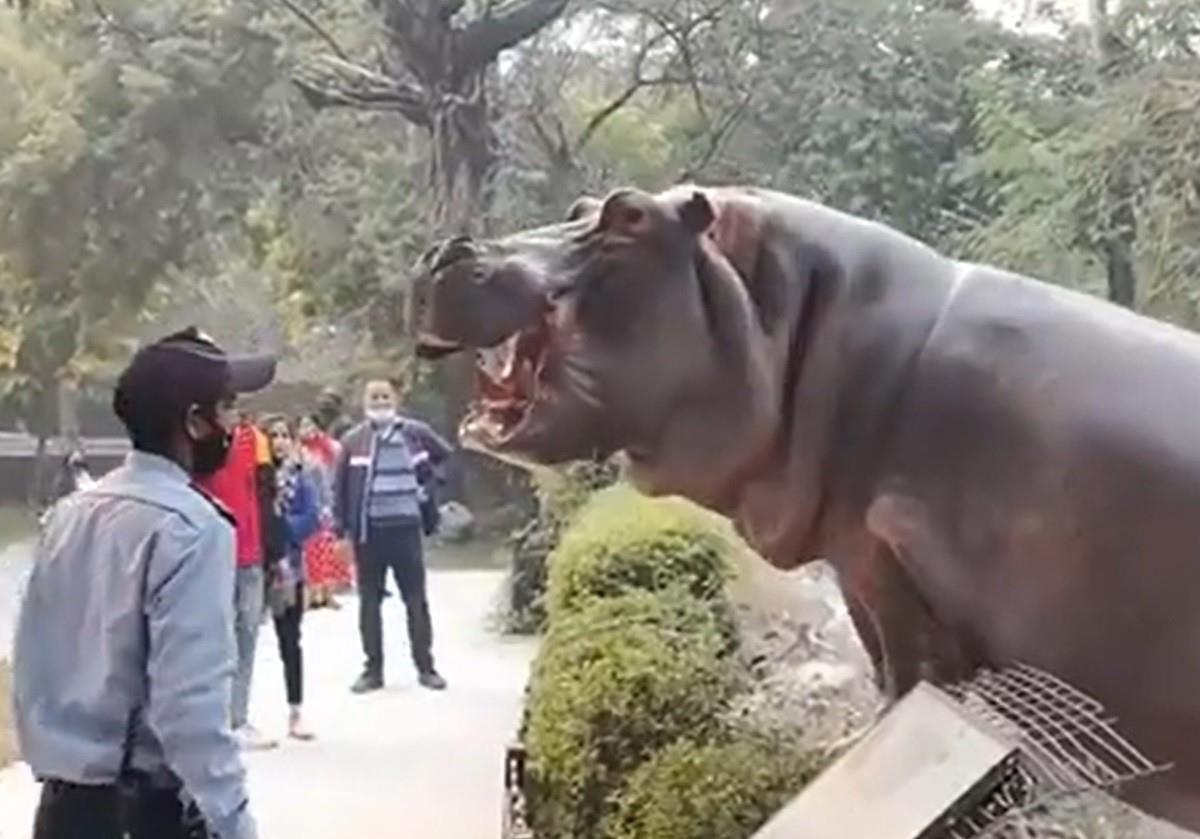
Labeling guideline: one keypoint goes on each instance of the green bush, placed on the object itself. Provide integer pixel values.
(612, 684)
(560, 495)
(693, 790)
(621, 541)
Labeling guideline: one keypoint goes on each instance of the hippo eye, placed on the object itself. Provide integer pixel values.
(633, 216)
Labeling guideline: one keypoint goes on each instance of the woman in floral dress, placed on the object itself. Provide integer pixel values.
(327, 568)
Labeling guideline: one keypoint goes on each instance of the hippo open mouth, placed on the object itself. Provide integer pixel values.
(511, 381)
(592, 335)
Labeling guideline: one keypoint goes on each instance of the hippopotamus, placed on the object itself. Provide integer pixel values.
(1002, 471)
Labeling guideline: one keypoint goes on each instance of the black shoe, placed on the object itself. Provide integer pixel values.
(367, 682)
(430, 679)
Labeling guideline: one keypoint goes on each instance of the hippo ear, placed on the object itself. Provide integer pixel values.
(628, 212)
(583, 207)
(697, 213)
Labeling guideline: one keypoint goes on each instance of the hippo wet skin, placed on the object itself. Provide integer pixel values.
(1001, 471)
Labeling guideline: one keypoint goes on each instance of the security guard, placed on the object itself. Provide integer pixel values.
(124, 652)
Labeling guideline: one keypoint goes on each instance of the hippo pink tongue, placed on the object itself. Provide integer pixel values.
(506, 377)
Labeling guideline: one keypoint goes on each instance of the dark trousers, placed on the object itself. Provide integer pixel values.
(398, 548)
(71, 811)
(287, 632)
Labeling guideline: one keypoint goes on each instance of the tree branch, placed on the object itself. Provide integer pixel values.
(681, 35)
(108, 20)
(320, 31)
(716, 139)
(486, 37)
(557, 148)
(452, 7)
(622, 99)
(332, 82)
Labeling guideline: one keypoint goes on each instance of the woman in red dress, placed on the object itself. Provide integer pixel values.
(327, 568)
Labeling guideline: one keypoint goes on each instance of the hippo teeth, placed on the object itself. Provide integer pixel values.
(511, 346)
(507, 381)
(497, 361)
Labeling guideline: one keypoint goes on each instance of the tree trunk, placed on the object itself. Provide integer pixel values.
(39, 487)
(1120, 221)
(434, 73)
(463, 161)
(1119, 245)
(564, 184)
(68, 411)
(43, 424)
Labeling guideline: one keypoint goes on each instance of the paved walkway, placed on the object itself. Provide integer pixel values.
(401, 762)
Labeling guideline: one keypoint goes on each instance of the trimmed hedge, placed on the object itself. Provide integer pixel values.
(627, 724)
(621, 541)
(561, 493)
(615, 682)
(696, 790)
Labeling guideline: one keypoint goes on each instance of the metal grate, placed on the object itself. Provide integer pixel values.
(1067, 746)
(514, 823)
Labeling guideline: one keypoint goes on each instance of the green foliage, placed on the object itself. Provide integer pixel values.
(623, 541)
(345, 233)
(564, 491)
(1027, 164)
(1096, 150)
(613, 683)
(105, 169)
(718, 790)
(860, 105)
(626, 721)
(560, 494)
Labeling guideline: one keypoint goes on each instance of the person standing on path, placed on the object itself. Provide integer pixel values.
(294, 516)
(124, 650)
(331, 414)
(327, 566)
(378, 506)
(239, 486)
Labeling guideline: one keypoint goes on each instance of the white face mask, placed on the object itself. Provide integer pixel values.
(381, 416)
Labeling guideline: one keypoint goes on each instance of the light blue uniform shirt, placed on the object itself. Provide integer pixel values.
(128, 614)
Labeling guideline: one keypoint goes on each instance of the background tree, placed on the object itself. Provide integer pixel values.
(433, 69)
(120, 122)
(163, 161)
(1090, 173)
(624, 94)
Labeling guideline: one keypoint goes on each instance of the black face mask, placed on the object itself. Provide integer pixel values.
(210, 453)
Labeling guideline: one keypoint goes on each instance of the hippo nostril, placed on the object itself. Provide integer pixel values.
(456, 250)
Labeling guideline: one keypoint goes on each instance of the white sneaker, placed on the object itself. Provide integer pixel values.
(250, 739)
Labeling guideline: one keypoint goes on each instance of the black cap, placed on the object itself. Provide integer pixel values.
(183, 369)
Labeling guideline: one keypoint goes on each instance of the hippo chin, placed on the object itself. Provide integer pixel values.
(1000, 470)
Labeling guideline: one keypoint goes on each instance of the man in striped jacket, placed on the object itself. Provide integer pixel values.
(378, 494)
